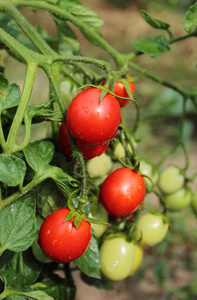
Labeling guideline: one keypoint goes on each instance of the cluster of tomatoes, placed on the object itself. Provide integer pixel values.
(92, 123)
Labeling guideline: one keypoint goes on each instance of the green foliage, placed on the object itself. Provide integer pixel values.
(36, 179)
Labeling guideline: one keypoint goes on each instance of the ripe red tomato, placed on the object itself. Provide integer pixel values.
(90, 121)
(87, 151)
(120, 90)
(122, 192)
(61, 241)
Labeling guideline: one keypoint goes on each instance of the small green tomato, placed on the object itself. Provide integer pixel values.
(178, 200)
(120, 151)
(99, 166)
(151, 229)
(170, 180)
(137, 259)
(147, 169)
(116, 258)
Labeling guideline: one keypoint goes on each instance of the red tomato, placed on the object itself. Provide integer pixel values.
(120, 90)
(90, 121)
(122, 192)
(61, 241)
(87, 151)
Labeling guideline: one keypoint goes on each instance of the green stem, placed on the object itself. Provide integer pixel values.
(85, 28)
(54, 87)
(26, 138)
(28, 85)
(160, 80)
(183, 37)
(29, 30)
(2, 138)
(36, 180)
(86, 60)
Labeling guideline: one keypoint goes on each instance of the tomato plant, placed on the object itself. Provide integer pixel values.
(60, 240)
(122, 192)
(117, 258)
(151, 229)
(91, 121)
(87, 151)
(106, 151)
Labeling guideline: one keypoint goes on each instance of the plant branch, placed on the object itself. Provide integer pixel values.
(162, 81)
(27, 89)
(119, 58)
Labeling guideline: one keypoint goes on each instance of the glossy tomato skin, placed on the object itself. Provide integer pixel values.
(122, 192)
(93, 122)
(120, 90)
(151, 229)
(116, 258)
(61, 241)
(87, 151)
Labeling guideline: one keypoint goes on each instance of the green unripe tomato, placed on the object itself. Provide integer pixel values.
(101, 214)
(36, 250)
(137, 259)
(120, 151)
(148, 170)
(99, 166)
(151, 229)
(38, 254)
(116, 258)
(194, 201)
(170, 180)
(178, 200)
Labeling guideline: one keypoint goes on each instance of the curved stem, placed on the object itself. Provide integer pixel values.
(26, 139)
(160, 80)
(183, 37)
(2, 138)
(28, 86)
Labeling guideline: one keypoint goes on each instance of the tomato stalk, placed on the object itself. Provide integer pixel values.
(27, 89)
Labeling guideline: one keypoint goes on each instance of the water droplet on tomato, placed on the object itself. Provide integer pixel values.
(97, 114)
(86, 109)
(54, 242)
(48, 232)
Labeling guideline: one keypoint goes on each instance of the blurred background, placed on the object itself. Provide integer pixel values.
(168, 270)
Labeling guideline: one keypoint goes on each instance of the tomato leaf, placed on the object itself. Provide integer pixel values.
(66, 183)
(10, 95)
(48, 197)
(10, 26)
(39, 295)
(155, 23)
(19, 270)
(153, 46)
(57, 287)
(18, 224)
(85, 15)
(89, 262)
(190, 20)
(12, 170)
(68, 42)
(38, 154)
